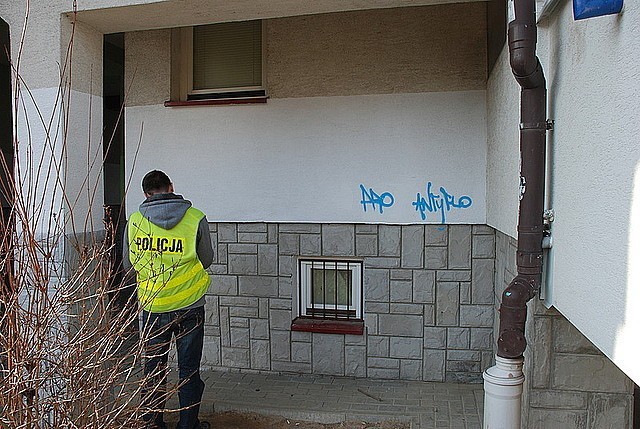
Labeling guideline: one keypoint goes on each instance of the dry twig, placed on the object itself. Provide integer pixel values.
(70, 352)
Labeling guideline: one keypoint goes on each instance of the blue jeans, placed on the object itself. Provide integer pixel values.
(157, 331)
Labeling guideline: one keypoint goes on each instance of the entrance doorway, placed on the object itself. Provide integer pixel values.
(6, 163)
(113, 153)
(6, 122)
(6, 144)
(113, 119)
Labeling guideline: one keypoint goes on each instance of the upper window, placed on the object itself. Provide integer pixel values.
(220, 61)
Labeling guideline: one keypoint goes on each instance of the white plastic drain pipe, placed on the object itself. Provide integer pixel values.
(502, 393)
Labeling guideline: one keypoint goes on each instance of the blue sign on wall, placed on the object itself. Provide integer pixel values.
(590, 8)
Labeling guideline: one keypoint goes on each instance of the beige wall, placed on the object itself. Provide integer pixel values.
(40, 52)
(82, 46)
(403, 50)
(119, 16)
(421, 49)
(47, 38)
(147, 59)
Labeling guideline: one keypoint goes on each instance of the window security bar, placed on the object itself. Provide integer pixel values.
(331, 289)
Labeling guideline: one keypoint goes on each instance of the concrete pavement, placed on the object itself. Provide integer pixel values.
(328, 399)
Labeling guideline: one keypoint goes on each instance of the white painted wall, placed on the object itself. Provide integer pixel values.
(503, 151)
(59, 160)
(83, 164)
(304, 159)
(592, 73)
(39, 160)
(59, 131)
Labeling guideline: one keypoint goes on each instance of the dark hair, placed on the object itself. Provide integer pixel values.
(155, 182)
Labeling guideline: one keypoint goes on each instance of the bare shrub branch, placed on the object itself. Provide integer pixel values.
(71, 354)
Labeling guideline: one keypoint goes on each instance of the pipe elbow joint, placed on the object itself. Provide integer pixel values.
(518, 293)
(513, 315)
(523, 61)
(528, 72)
(511, 343)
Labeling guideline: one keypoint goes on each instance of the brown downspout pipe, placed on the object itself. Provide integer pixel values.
(533, 125)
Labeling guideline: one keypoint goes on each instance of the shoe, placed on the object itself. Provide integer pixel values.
(205, 425)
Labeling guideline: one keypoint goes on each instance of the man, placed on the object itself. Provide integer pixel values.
(169, 247)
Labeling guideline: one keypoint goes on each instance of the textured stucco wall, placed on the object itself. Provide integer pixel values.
(146, 15)
(47, 37)
(594, 95)
(402, 50)
(83, 127)
(434, 48)
(503, 148)
(592, 80)
(147, 58)
(81, 49)
(42, 44)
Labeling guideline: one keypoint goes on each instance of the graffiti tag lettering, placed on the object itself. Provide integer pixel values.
(442, 203)
(380, 201)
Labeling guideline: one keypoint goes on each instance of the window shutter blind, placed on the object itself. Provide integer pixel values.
(227, 55)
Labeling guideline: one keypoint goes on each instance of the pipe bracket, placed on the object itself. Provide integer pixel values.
(534, 126)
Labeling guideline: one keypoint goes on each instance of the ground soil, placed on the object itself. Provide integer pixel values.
(241, 420)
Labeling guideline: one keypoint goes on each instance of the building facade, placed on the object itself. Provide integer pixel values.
(377, 136)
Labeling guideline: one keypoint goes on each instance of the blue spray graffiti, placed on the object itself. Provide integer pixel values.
(371, 197)
(442, 202)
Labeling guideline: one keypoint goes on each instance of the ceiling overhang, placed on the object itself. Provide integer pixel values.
(146, 15)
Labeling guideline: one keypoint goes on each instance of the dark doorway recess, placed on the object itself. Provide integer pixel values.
(113, 152)
(113, 119)
(6, 169)
(6, 122)
(6, 142)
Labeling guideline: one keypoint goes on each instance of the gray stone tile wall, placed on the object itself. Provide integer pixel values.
(569, 383)
(431, 296)
(430, 314)
(428, 292)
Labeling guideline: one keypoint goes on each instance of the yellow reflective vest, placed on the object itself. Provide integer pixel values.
(170, 275)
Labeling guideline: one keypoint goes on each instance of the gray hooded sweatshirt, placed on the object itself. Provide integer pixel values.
(166, 211)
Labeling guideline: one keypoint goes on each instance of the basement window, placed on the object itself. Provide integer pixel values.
(218, 62)
(329, 296)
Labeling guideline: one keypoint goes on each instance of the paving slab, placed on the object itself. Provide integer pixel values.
(328, 399)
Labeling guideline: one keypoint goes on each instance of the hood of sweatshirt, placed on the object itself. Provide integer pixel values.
(165, 210)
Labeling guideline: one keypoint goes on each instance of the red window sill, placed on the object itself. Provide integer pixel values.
(216, 102)
(328, 326)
